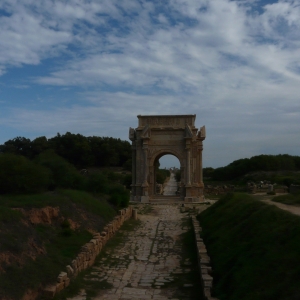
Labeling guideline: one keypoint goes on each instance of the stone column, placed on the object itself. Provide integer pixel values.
(134, 214)
(200, 165)
(145, 166)
(188, 166)
(133, 185)
(145, 185)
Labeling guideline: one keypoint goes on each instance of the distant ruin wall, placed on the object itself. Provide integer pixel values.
(88, 253)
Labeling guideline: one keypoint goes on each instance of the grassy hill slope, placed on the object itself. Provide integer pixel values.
(40, 234)
(254, 248)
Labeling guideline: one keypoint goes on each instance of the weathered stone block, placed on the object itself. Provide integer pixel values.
(62, 276)
(67, 282)
(134, 214)
(74, 264)
(60, 286)
(91, 246)
(100, 246)
(207, 268)
(204, 260)
(204, 271)
(207, 283)
(91, 262)
(207, 292)
(49, 291)
(70, 271)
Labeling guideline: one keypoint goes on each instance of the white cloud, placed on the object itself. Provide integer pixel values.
(219, 46)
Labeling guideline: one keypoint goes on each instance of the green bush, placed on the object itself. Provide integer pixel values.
(63, 174)
(161, 175)
(97, 183)
(128, 165)
(127, 181)
(20, 175)
(90, 203)
(119, 196)
(112, 176)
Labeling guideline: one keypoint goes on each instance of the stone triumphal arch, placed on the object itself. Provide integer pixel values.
(159, 135)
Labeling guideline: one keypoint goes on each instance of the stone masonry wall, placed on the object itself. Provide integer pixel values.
(205, 269)
(88, 253)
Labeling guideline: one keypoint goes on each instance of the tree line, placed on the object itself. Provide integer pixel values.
(241, 167)
(77, 149)
(47, 164)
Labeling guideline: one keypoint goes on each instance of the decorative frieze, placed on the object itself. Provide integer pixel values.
(167, 120)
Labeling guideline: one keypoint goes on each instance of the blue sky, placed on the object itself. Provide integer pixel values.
(91, 67)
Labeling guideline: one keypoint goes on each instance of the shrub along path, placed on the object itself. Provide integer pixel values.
(152, 258)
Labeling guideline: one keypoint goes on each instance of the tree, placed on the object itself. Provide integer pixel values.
(39, 145)
(75, 148)
(208, 172)
(18, 145)
(281, 162)
(63, 174)
(161, 175)
(20, 175)
(128, 165)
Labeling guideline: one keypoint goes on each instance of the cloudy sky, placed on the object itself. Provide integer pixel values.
(91, 67)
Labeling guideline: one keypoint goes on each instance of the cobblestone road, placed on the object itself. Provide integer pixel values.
(152, 261)
(171, 187)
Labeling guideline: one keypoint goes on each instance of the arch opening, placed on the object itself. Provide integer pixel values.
(167, 175)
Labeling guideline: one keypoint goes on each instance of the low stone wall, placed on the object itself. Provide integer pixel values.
(89, 252)
(203, 262)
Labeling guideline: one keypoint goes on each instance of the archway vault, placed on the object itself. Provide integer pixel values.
(156, 136)
(160, 153)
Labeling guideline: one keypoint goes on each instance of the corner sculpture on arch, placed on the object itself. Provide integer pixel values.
(159, 135)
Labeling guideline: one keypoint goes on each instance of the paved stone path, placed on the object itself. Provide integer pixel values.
(171, 187)
(148, 263)
(267, 199)
(290, 208)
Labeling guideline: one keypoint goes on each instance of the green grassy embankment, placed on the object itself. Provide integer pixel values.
(254, 249)
(289, 199)
(33, 254)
